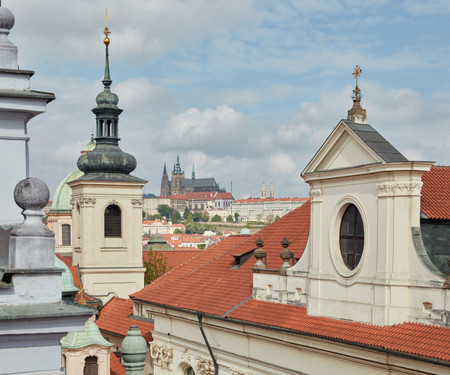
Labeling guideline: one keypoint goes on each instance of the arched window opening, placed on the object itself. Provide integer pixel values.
(351, 237)
(101, 128)
(113, 221)
(189, 371)
(109, 128)
(65, 235)
(90, 366)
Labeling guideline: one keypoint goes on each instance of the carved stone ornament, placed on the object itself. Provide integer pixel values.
(186, 357)
(162, 355)
(399, 189)
(235, 371)
(83, 202)
(92, 350)
(137, 202)
(316, 195)
(205, 367)
(114, 202)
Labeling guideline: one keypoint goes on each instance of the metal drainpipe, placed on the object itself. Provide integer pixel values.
(216, 366)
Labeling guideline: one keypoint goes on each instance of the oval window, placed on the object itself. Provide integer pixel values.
(351, 237)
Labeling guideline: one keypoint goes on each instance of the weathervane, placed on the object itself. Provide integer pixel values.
(357, 92)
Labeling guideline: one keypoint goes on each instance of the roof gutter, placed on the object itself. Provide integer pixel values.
(216, 366)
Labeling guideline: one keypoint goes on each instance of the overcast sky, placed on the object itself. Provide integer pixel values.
(247, 90)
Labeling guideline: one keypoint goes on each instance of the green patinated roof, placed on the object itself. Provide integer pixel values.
(90, 336)
(89, 147)
(157, 243)
(67, 279)
(245, 230)
(63, 194)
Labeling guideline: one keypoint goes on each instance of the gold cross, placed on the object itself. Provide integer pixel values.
(357, 73)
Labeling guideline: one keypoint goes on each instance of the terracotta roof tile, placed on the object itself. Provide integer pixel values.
(114, 318)
(411, 338)
(227, 286)
(435, 202)
(116, 367)
(175, 257)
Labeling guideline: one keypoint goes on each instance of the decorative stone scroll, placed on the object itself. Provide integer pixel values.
(114, 202)
(316, 195)
(399, 189)
(137, 203)
(235, 371)
(83, 202)
(205, 367)
(162, 355)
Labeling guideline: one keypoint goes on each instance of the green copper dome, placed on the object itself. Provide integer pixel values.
(90, 336)
(63, 194)
(67, 279)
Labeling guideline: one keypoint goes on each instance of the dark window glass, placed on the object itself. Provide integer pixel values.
(90, 366)
(113, 221)
(351, 237)
(65, 229)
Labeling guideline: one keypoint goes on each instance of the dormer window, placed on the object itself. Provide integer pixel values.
(351, 237)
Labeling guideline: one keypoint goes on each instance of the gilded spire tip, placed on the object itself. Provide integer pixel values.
(106, 31)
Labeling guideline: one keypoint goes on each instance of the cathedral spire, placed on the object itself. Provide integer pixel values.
(357, 113)
(193, 172)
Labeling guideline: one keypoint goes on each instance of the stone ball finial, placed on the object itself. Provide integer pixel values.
(7, 19)
(31, 194)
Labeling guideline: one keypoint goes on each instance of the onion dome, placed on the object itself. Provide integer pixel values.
(68, 286)
(7, 19)
(107, 158)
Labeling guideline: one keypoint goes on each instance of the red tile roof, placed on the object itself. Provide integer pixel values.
(175, 257)
(411, 338)
(227, 286)
(114, 318)
(435, 202)
(116, 367)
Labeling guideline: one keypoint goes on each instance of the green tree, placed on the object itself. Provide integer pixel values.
(176, 217)
(230, 219)
(178, 231)
(205, 216)
(189, 219)
(236, 216)
(200, 216)
(276, 218)
(216, 219)
(269, 218)
(186, 213)
(165, 210)
(155, 266)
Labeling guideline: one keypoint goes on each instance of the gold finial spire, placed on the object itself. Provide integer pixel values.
(356, 74)
(357, 113)
(106, 31)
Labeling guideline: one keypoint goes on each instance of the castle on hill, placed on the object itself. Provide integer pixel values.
(180, 185)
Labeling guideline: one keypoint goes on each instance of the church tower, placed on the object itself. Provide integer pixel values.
(177, 178)
(272, 191)
(165, 188)
(107, 207)
(263, 192)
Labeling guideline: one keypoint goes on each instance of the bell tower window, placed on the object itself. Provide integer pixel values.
(351, 237)
(113, 221)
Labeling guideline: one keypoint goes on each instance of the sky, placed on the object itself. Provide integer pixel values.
(245, 90)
